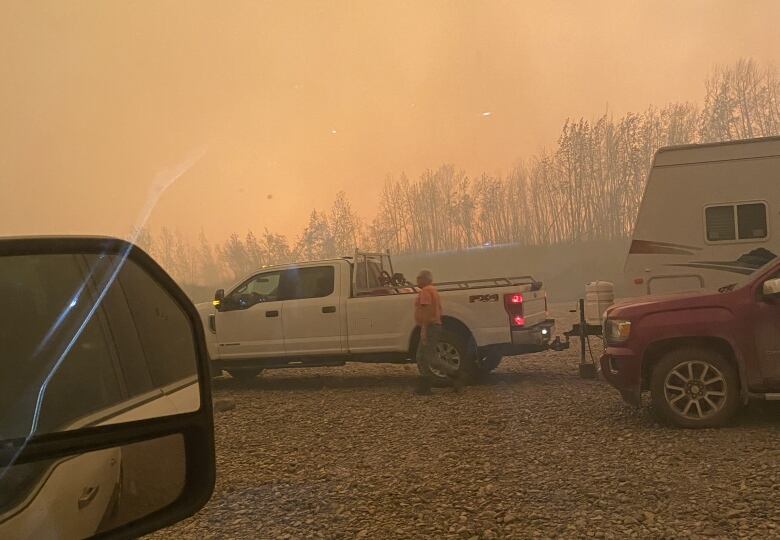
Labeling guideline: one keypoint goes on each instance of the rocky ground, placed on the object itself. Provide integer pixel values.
(535, 451)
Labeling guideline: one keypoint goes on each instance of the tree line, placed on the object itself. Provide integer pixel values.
(588, 187)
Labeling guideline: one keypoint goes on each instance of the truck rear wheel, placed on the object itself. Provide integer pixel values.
(454, 349)
(695, 388)
(244, 374)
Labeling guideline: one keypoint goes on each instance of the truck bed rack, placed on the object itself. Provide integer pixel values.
(460, 285)
(489, 282)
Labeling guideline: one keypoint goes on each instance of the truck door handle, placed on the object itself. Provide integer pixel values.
(88, 495)
(329, 309)
(273, 313)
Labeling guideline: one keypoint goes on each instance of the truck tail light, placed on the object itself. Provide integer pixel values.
(513, 303)
(513, 298)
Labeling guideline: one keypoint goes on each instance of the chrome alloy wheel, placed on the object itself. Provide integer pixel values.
(447, 353)
(695, 389)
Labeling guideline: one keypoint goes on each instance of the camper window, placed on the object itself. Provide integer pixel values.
(729, 222)
(751, 220)
(720, 223)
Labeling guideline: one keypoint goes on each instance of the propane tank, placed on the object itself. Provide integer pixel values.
(599, 295)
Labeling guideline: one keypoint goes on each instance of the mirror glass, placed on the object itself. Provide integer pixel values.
(88, 340)
(81, 495)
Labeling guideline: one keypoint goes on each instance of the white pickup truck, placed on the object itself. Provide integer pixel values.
(355, 309)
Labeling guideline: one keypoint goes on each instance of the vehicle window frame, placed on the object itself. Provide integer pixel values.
(228, 304)
(284, 284)
(362, 268)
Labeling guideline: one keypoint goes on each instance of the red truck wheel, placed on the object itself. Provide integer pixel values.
(695, 388)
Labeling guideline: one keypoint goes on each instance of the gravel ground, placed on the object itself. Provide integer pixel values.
(535, 451)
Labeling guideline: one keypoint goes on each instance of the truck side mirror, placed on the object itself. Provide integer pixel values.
(219, 297)
(771, 287)
(106, 424)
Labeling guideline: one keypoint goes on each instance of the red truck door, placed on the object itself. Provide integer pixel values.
(766, 325)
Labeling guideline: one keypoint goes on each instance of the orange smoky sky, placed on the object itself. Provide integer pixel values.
(282, 104)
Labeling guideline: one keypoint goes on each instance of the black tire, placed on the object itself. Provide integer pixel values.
(244, 374)
(452, 342)
(693, 387)
(488, 363)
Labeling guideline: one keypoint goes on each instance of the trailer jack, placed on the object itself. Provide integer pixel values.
(582, 330)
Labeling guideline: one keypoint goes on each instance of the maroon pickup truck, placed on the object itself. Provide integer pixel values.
(700, 354)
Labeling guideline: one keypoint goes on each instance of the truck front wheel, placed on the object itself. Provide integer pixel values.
(453, 348)
(693, 387)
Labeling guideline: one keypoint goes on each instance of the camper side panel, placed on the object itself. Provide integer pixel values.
(705, 224)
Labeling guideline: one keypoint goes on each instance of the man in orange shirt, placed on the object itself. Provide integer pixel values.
(427, 315)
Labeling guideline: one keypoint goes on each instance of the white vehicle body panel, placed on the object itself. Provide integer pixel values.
(315, 325)
(251, 333)
(55, 500)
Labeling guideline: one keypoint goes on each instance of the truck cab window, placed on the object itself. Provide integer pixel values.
(159, 317)
(36, 337)
(74, 391)
(260, 288)
(310, 282)
(123, 330)
(374, 271)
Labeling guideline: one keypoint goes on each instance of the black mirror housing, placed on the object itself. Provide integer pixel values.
(219, 298)
(60, 431)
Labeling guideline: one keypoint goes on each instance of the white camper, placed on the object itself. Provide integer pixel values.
(708, 218)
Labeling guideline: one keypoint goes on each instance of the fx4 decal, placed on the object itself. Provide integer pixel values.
(483, 298)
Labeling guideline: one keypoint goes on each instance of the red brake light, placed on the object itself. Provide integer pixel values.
(513, 303)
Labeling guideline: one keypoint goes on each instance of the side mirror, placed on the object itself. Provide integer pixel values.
(219, 298)
(106, 425)
(771, 287)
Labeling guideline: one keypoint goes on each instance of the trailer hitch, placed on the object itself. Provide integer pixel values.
(558, 345)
